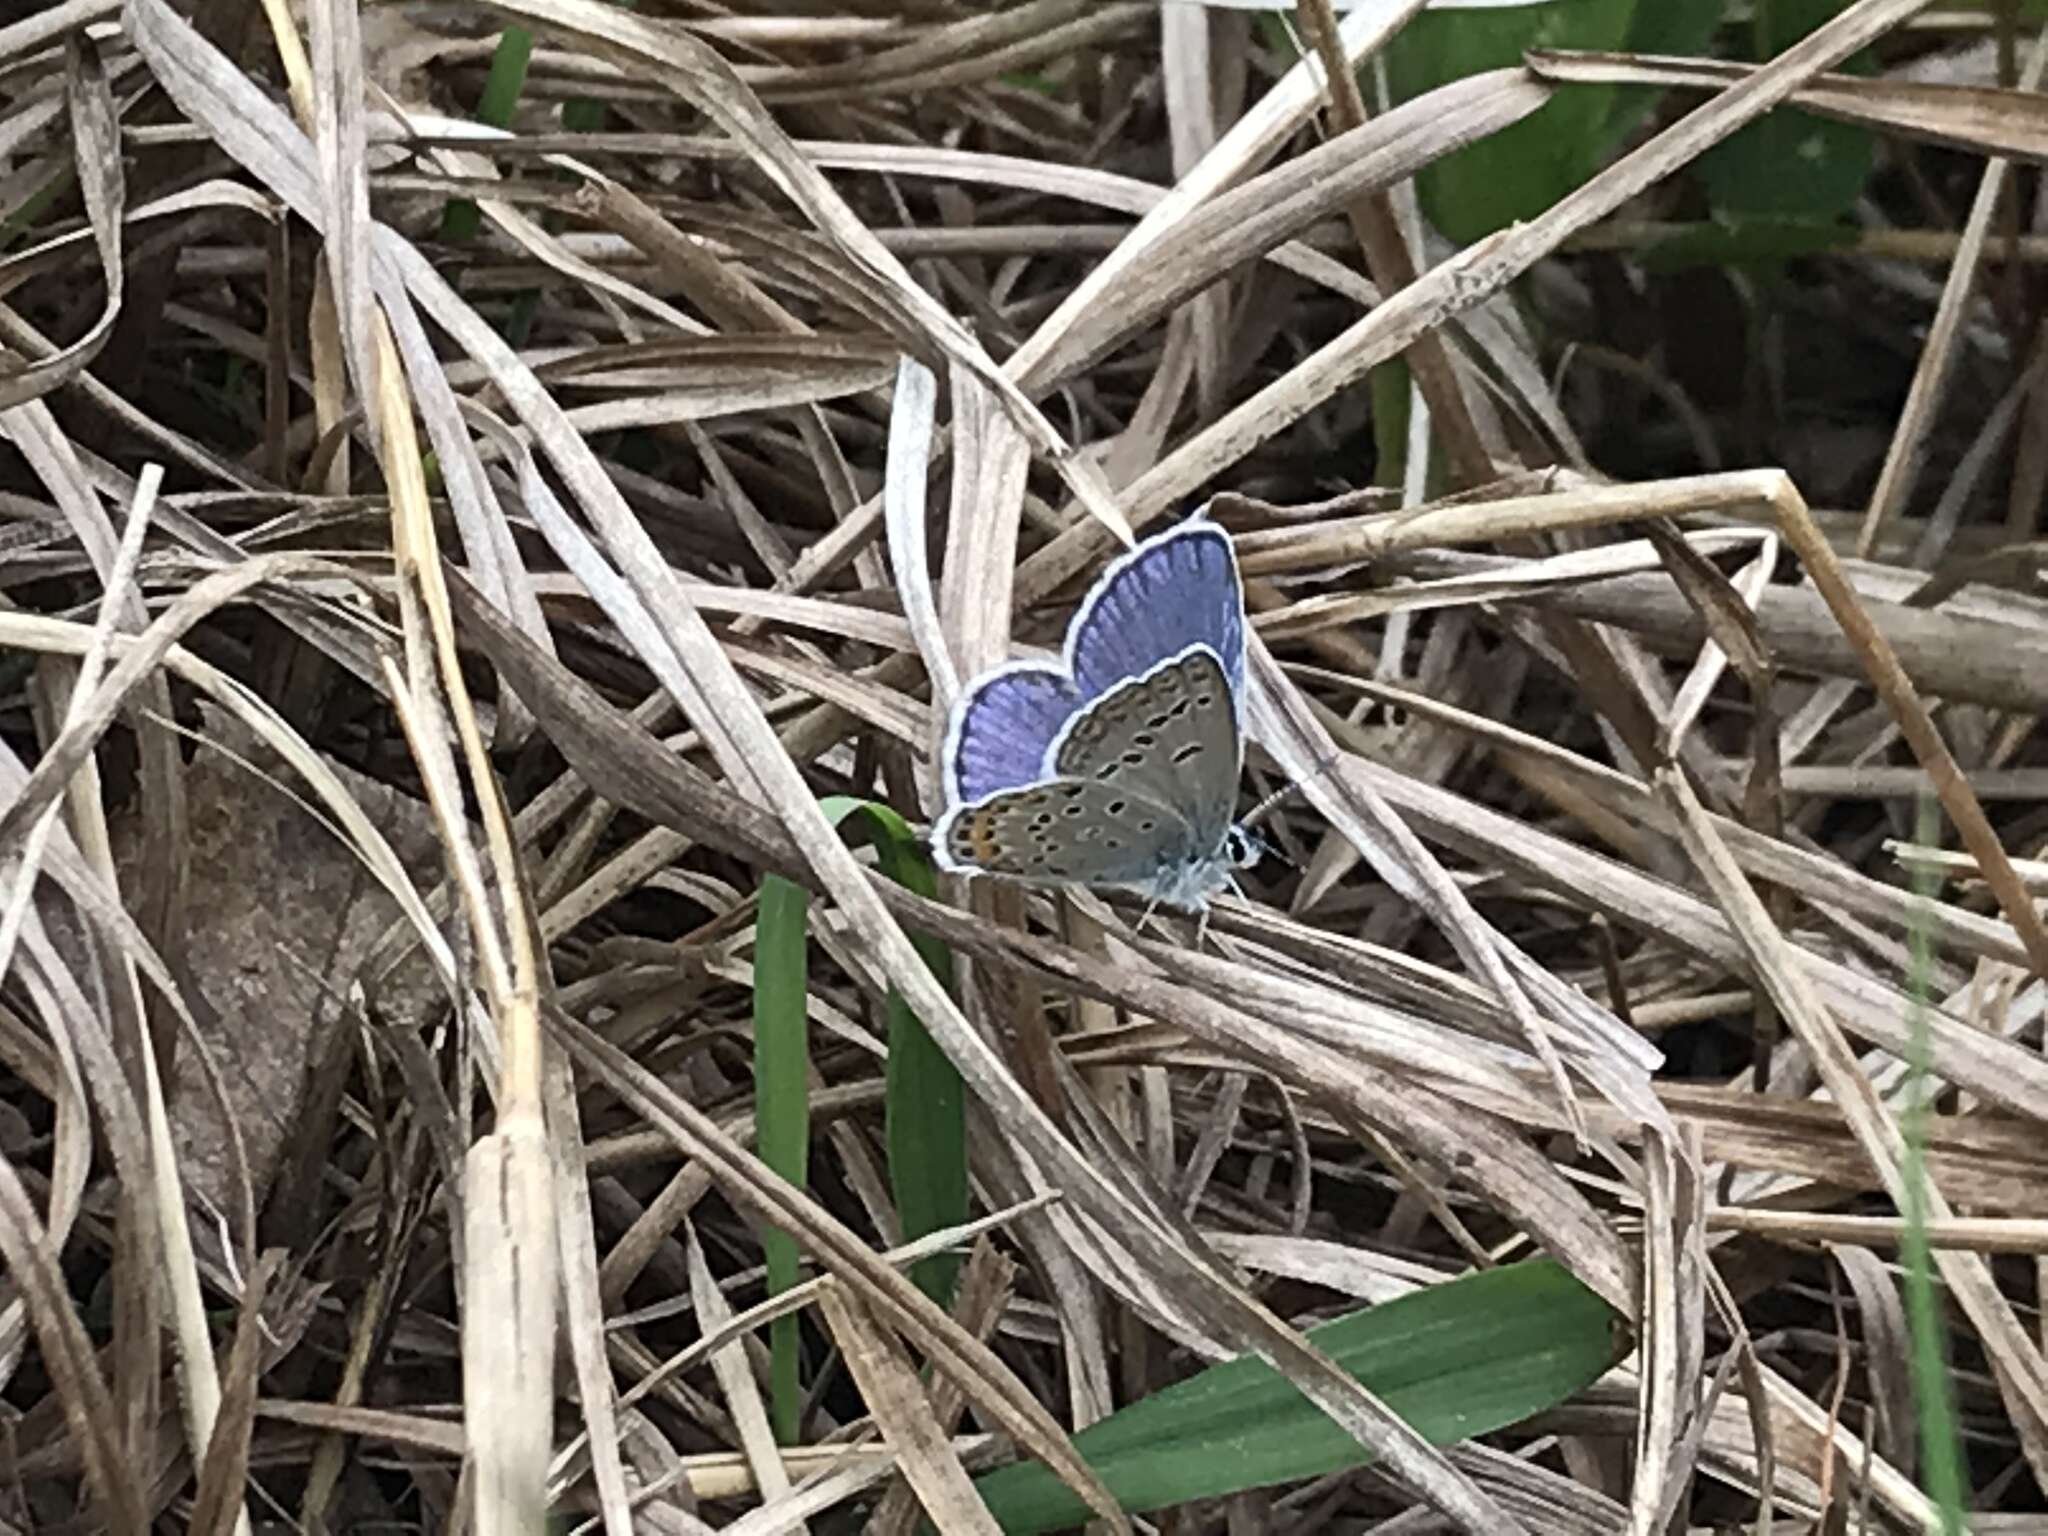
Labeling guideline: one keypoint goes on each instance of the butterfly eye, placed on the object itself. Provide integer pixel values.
(1242, 849)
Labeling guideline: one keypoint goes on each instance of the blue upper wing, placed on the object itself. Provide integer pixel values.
(1176, 589)
(1002, 728)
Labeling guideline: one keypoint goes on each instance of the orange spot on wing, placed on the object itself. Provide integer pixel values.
(981, 837)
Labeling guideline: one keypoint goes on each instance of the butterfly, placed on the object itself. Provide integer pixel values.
(1119, 767)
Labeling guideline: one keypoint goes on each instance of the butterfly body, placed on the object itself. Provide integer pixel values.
(1120, 767)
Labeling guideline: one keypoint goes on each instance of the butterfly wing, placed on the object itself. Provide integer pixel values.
(1176, 589)
(1061, 831)
(1002, 730)
(1122, 768)
(1169, 737)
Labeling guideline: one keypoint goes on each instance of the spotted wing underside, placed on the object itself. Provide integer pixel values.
(1063, 831)
(1171, 737)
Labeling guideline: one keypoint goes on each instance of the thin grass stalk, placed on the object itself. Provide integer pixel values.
(1933, 1392)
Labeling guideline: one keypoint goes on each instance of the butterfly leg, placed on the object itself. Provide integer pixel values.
(1145, 917)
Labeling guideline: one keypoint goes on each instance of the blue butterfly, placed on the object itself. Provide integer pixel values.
(1120, 767)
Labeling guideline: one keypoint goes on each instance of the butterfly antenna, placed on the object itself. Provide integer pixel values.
(1279, 796)
(1269, 803)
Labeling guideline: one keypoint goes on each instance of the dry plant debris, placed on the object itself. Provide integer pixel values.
(496, 502)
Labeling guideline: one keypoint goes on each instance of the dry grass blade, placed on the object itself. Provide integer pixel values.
(746, 1178)
(1986, 120)
(1886, 1349)
(1896, 689)
(512, 1263)
(990, 461)
(58, 21)
(736, 1378)
(1673, 1335)
(582, 1296)
(985, 1290)
(904, 1414)
(95, 139)
(1969, 1279)
(1261, 214)
(75, 1375)
(217, 1503)
(1903, 462)
(508, 1322)
(910, 433)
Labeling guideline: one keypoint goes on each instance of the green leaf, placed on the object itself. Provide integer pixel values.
(1789, 165)
(1523, 169)
(1457, 1360)
(1677, 27)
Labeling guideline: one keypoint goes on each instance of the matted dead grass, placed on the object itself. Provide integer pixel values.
(419, 647)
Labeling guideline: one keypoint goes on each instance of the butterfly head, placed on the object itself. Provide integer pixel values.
(1188, 882)
(1243, 847)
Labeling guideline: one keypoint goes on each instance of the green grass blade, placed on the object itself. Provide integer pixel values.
(924, 1101)
(1940, 1455)
(1460, 1359)
(461, 219)
(782, 1111)
(1389, 386)
(924, 1112)
(36, 204)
